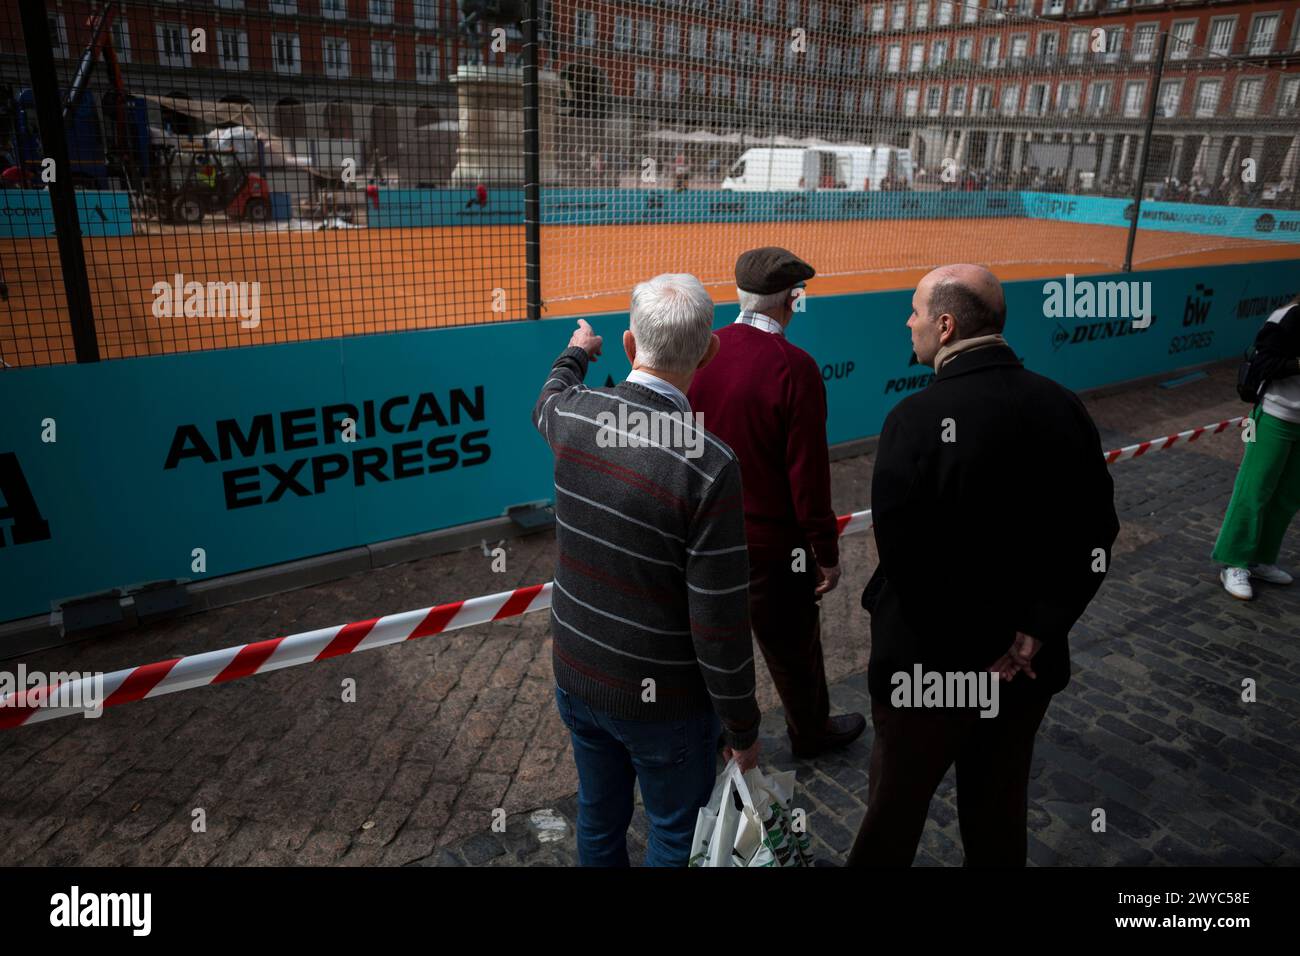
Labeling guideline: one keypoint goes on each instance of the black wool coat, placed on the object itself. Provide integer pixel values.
(993, 512)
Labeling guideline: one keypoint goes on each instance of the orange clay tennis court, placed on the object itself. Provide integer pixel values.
(323, 284)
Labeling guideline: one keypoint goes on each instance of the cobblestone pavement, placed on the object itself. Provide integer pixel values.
(447, 730)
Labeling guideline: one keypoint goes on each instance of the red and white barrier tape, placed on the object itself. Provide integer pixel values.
(217, 667)
(1160, 444)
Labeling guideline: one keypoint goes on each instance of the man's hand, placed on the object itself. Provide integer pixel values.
(745, 759)
(827, 578)
(1018, 658)
(586, 338)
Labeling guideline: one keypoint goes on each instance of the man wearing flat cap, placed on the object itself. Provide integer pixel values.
(765, 398)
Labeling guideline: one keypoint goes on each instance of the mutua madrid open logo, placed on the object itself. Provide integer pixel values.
(1265, 223)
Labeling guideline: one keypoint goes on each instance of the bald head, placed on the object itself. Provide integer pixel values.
(953, 303)
(971, 294)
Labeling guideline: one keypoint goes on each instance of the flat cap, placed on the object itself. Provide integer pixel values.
(771, 269)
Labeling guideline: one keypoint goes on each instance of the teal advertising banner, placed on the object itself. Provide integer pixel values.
(27, 214)
(117, 473)
(1240, 222)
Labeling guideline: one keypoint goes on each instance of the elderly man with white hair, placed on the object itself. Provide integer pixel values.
(650, 611)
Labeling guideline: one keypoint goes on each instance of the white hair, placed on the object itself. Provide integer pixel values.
(768, 303)
(672, 322)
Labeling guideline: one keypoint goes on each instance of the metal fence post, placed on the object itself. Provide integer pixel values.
(1156, 73)
(532, 165)
(63, 195)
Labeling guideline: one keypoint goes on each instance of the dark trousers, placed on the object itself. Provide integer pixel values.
(786, 619)
(912, 752)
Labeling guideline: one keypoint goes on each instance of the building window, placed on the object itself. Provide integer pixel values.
(121, 39)
(769, 51)
(771, 10)
(793, 17)
(1053, 7)
(646, 36)
(899, 19)
(1207, 97)
(1246, 101)
(916, 57)
(338, 120)
(1078, 49)
(1288, 97)
(877, 17)
(810, 99)
(283, 6)
(992, 46)
(622, 33)
(1098, 98)
(173, 44)
(232, 49)
(1010, 100)
(810, 58)
(944, 13)
(1180, 39)
(957, 100)
(1144, 42)
(584, 27)
(1221, 29)
(938, 53)
(867, 102)
(284, 53)
(970, 11)
(859, 24)
(381, 11)
(1134, 94)
(381, 59)
(1036, 99)
(1019, 47)
(338, 9)
(893, 58)
(700, 42)
(965, 49)
(873, 60)
(921, 14)
(699, 84)
(426, 13)
(934, 100)
(426, 64)
(1171, 94)
(834, 61)
(337, 56)
(1263, 33)
(644, 83)
(722, 45)
(814, 15)
(672, 36)
(1067, 99)
(672, 85)
(911, 101)
(1047, 47)
(1114, 43)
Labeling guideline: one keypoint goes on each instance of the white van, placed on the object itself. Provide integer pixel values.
(853, 168)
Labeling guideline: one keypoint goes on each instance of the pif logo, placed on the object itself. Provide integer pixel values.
(19, 505)
(1197, 307)
(1265, 223)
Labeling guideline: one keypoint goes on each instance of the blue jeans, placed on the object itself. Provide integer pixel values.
(675, 763)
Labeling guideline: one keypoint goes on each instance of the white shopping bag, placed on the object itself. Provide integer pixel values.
(747, 822)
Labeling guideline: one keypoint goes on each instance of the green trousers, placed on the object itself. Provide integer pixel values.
(1265, 497)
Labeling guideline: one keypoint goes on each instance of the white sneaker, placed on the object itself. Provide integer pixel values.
(1270, 573)
(1236, 581)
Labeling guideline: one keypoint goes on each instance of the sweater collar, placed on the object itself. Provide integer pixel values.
(667, 389)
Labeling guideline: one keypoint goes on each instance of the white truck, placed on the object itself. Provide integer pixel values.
(853, 168)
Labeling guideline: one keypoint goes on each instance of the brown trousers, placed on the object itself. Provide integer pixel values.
(912, 752)
(786, 619)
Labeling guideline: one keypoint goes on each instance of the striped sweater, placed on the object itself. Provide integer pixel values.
(652, 581)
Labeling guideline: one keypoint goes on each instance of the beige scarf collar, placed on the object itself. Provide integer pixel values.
(965, 345)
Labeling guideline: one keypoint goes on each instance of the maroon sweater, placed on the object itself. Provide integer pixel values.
(765, 398)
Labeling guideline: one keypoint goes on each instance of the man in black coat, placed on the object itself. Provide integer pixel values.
(993, 512)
